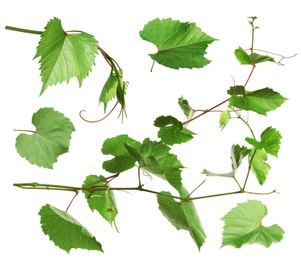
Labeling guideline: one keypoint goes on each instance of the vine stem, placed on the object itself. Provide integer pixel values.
(28, 131)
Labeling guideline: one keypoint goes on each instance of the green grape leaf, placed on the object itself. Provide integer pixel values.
(243, 225)
(259, 165)
(260, 101)
(122, 160)
(163, 163)
(109, 90)
(186, 108)
(64, 55)
(50, 139)
(101, 200)
(270, 141)
(224, 119)
(182, 215)
(172, 131)
(245, 58)
(65, 231)
(180, 45)
(237, 154)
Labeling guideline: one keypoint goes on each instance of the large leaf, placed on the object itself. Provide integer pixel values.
(180, 45)
(259, 165)
(172, 131)
(50, 139)
(122, 160)
(182, 215)
(65, 231)
(270, 141)
(243, 225)
(64, 55)
(101, 200)
(260, 101)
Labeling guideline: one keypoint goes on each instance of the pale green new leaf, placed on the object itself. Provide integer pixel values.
(64, 55)
(243, 225)
(180, 45)
(51, 138)
(260, 101)
(237, 154)
(182, 215)
(122, 160)
(101, 200)
(65, 231)
(259, 165)
(186, 108)
(224, 119)
(270, 141)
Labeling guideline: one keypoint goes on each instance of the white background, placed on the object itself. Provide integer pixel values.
(144, 232)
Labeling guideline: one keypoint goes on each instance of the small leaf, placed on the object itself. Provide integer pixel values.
(260, 101)
(64, 55)
(182, 215)
(186, 108)
(180, 45)
(224, 119)
(270, 141)
(237, 154)
(259, 165)
(101, 200)
(122, 160)
(65, 231)
(172, 131)
(243, 225)
(242, 56)
(245, 58)
(51, 138)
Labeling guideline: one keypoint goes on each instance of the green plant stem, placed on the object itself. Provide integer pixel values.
(16, 29)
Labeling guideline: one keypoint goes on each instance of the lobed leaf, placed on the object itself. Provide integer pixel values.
(172, 131)
(64, 55)
(224, 119)
(51, 138)
(101, 200)
(260, 101)
(122, 160)
(243, 225)
(65, 231)
(259, 165)
(180, 45)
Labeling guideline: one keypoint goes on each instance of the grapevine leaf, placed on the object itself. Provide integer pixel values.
(168, 168)
(245, 58)
(182, 215)
(259, 165)
(224, 119)
(180, 45)
(122, 160)
(270, 141)
(260, 101)
(65, 231)
(50, 139)
(237, 154)
(64, 55)
(101, 200)
(172, 130)
(186, 108)
(243, 225)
